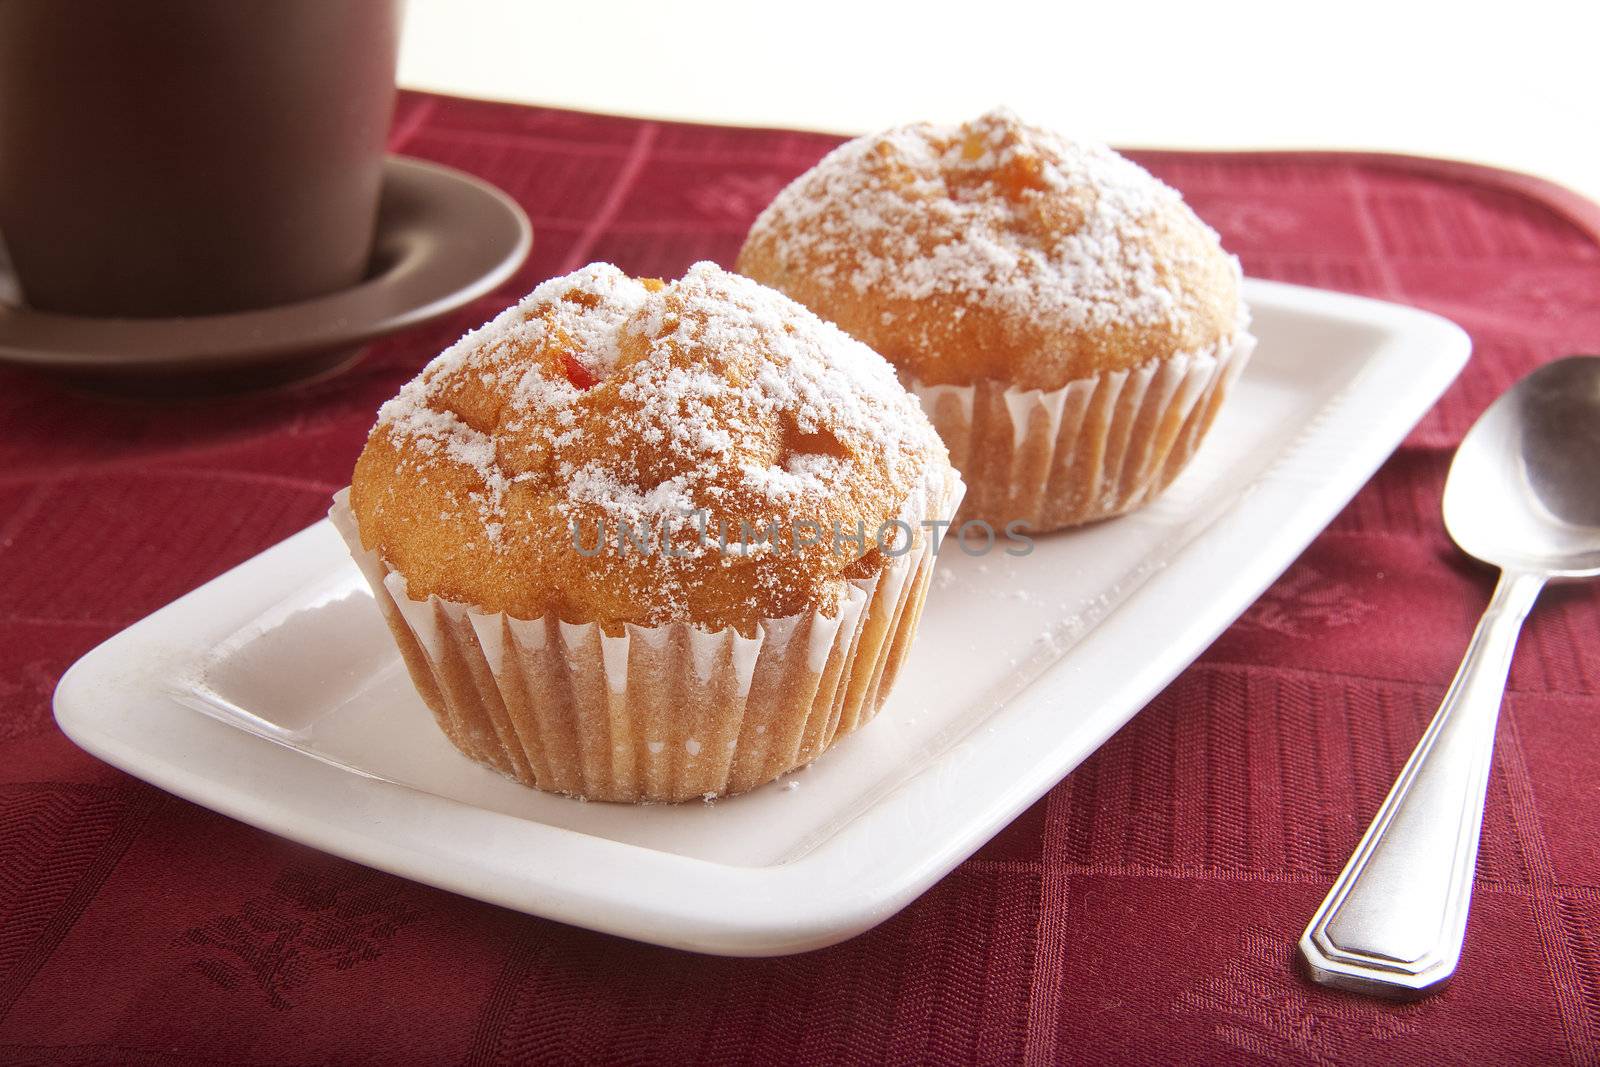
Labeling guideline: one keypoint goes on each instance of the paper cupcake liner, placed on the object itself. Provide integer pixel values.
(1096, 447)
(657, 713)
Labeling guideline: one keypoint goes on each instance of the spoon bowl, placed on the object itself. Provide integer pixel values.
(1524, 489)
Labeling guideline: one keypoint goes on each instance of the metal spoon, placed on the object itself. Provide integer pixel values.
(1523, 494)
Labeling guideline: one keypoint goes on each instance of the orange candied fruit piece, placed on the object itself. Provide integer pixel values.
(577, 373)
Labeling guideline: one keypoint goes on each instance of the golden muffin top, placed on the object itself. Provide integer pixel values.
(997, 250)
(710, 415)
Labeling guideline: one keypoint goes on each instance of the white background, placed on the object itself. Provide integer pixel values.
(1513, 84)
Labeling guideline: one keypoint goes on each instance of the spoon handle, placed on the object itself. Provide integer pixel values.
(1394, 922)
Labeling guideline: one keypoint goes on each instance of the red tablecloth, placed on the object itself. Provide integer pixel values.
(1146, 908)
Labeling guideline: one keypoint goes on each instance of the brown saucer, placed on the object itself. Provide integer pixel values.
(444, 238)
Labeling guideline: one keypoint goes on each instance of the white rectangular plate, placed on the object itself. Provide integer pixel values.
(273, 694)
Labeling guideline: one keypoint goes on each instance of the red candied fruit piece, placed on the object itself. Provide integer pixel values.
(577, 373)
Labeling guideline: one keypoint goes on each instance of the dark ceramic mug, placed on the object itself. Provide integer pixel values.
(186, 157)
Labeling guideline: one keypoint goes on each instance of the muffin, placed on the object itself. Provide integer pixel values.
(1068, 323)
(646, 541)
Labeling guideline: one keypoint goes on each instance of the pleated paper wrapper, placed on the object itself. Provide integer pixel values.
(657, 713)
(1096, 447)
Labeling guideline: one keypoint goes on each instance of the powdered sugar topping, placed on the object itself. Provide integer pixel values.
(993, 213)
(642, 403)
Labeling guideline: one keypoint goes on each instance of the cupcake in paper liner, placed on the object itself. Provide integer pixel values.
(1069, 324)
(647, 541)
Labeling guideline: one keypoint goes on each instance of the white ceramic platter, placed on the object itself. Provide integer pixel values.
(273, 694)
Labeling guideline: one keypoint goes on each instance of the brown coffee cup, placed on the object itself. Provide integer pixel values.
(186, 157)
